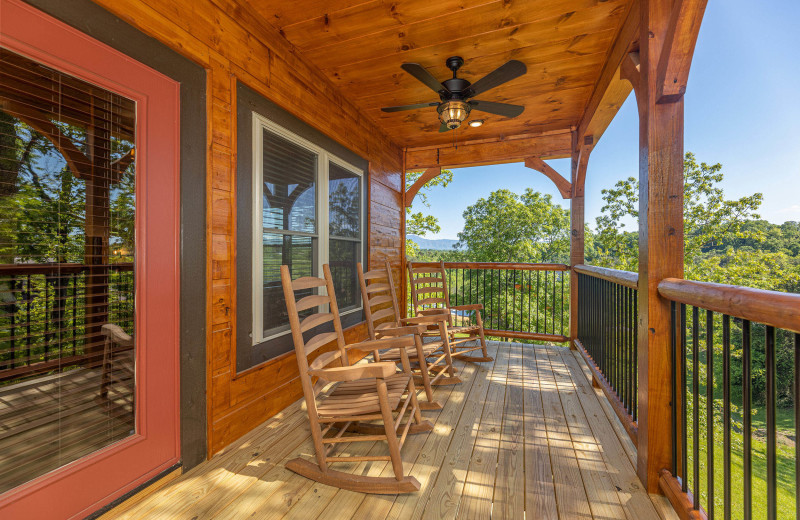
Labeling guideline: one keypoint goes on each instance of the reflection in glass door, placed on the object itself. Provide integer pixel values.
(67, 242)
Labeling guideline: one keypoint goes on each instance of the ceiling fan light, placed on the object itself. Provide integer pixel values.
(453, 113)
(475, 123)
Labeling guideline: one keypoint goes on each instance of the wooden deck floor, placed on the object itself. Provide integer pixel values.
(523, 437)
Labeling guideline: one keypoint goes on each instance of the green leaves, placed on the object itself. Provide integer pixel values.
(506, 227)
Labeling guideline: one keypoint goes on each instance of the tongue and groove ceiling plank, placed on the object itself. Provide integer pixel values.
(361, 45)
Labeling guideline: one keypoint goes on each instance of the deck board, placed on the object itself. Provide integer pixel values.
(526, 433)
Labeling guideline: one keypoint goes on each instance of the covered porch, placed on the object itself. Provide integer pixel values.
(524, 436)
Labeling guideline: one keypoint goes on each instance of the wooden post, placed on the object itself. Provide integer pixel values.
(660, 240)
(97, 228)
(580, 159)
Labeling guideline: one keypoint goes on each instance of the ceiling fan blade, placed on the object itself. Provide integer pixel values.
(422, 74)
(510, 70)
(408, 107)
(444, 128)
(500, 109)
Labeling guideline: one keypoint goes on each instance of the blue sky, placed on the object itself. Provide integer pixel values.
(741, 107)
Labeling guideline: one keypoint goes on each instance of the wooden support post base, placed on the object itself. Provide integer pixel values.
(359, 483)
(596, 383)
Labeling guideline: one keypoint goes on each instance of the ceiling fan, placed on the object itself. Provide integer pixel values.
(456, 93)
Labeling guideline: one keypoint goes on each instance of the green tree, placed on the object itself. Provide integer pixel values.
(713, 228)
(506, 227)
(418, 223)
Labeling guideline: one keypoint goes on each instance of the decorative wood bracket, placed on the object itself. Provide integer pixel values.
(676, 54)
(563, 185)
(429, 174)
(630, 69)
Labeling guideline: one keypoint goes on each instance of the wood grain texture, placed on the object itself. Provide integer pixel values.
(236, 44)
(548, 145)
(778, 309)
(360, 47)
(660, 245)
(533, 411)
(624, 278)
(563, 185)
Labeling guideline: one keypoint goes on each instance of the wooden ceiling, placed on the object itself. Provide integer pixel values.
(360, 46)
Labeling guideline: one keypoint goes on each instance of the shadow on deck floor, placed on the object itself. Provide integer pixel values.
(523, 436)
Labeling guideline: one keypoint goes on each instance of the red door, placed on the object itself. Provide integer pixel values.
(89, 259)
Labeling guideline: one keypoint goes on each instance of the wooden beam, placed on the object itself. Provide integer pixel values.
(576, 240)
(660, 246)
(429, 174)
(551, 145)
(582, 162)
(563, 185)
(676, 54)
(610, 91)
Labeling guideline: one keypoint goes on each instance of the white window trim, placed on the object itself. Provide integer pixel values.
(324, 158)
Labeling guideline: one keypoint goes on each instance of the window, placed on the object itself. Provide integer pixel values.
(307, 212)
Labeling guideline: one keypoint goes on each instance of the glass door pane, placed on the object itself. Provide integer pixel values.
(67, 302)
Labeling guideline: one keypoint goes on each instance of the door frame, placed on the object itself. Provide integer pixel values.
(79, 488)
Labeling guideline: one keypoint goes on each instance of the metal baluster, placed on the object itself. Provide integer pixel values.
(747, 460)
(710, 412)
(554, 303)
(674, 383)
(28, 298)
(74, 313)
(684, 414)
(695, 407)
(796, 424)
(772, 497)
(726, 411)
(562, 304)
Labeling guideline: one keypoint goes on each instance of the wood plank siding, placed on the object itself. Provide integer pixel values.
(523, 436)
(232, 45)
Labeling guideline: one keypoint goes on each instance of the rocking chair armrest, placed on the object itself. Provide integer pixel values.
(355, 372)
(429, 319)
(380, 344)
(400, 331)
(469, 307)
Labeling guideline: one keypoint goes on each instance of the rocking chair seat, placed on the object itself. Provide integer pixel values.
(427, 348)
(361, 397)
(463, 330)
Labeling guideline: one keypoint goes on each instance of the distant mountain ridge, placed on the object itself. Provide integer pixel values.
(441, 244)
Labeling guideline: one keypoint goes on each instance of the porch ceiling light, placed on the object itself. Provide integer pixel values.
(475, 123)
(453, 113)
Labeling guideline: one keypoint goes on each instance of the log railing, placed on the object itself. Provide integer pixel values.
(607, 316)
(522, 301)
(729, 459)
(46, 318)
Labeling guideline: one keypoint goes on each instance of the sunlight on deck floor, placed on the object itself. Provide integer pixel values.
(525, 436)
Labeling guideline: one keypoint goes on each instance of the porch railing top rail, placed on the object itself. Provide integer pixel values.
(624, 278)
(62, 268)
(507, 266)
(777, 309)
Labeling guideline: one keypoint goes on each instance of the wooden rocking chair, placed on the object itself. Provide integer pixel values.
(429, 295)
(361, 394)
(434, 363)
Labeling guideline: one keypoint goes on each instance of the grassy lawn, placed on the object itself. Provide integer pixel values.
(785, 469)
